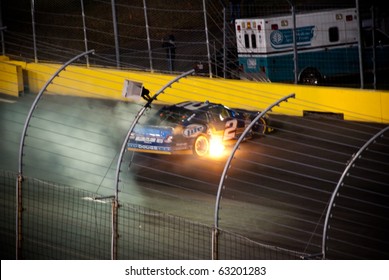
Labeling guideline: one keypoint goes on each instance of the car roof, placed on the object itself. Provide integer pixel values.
(203, 106)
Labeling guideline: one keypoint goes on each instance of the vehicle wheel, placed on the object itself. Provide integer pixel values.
(260, 127)
(310, 76)
(201, 146)
(263, 129)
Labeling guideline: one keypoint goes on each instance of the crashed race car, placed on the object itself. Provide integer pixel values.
(197, 128)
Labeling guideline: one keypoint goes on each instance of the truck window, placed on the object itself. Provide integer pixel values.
(333, 33)
(381, 39)
(246, 41)
(253, 41)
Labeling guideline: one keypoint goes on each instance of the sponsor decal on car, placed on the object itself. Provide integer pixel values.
(150, 140)
(149, 147)
(193, 130)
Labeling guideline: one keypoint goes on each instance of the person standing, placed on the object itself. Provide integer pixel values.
(170, 46)
(235, 10)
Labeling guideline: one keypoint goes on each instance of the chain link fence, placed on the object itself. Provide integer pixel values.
(274, 198)
(74, 142)
(169, 36)
(62, 222)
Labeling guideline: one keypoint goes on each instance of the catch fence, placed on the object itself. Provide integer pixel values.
(139, 35)
(274, 199)
(62, 222)
(277, 192)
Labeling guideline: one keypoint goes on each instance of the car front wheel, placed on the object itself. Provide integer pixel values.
(261, 127)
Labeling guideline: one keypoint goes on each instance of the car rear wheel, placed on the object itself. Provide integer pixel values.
(201, 146)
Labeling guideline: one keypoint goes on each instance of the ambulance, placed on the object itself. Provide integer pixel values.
(327, 45)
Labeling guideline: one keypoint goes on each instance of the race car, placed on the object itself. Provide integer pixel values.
(192, 127)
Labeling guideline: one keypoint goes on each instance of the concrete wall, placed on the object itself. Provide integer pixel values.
(354, 104)
(11, 77)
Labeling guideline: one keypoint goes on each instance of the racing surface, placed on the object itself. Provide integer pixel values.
(276, 190)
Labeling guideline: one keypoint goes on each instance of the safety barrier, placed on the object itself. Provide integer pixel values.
(351, 104)
(11, 77)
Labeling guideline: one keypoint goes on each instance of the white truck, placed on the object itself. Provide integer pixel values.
(326, 40)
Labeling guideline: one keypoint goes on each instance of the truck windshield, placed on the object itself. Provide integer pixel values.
(380, 38)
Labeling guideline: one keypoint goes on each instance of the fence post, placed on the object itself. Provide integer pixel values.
(33, 30)
(115, 33)
(360, 53)
(115, 215)
(295, 53)
(224, 42)
(374, 46)
(215, 233)
(84, 28)
(148, 36)
(207, 39)
(2, 28)
(19, 213)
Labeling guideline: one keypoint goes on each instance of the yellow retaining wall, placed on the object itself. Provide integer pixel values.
(355, 104)
(11, 78)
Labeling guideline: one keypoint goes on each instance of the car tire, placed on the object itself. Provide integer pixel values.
(201, 146)
(260, 127)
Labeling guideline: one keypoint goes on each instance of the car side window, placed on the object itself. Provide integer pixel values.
(219, 113)
(224, 113)
(215, 112)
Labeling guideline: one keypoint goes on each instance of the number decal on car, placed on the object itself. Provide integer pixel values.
(230, 129)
